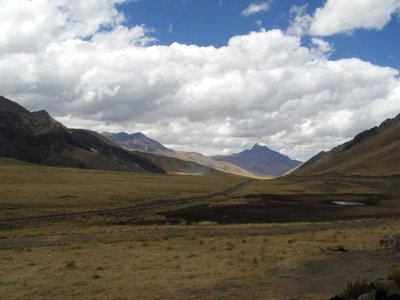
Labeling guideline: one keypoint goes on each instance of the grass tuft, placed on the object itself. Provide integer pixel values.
(70, 265)
(395, 275)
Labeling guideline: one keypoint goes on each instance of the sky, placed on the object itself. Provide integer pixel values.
(213, 76)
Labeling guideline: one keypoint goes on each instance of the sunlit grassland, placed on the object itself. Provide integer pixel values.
(324, 185)
(27, 189)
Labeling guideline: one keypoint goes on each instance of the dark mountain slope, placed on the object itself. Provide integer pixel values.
(36, 137)
(261, 161)
(374, 152)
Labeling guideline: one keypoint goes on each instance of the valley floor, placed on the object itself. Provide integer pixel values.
(188, 237)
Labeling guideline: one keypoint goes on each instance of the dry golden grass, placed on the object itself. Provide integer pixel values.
(27, 190)
(325, 185)
(90, 258)
(395, 275)
(179, 262)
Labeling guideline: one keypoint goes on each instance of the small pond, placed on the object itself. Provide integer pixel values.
(348, 203)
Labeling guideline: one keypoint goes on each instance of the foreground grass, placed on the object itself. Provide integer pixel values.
(31, 190)
(204, 261)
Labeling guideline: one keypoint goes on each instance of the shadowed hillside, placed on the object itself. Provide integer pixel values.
(36, 137)
(374, 152)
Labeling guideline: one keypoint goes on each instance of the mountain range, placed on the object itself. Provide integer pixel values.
(139, 142)
(37, 138)
(258, 161)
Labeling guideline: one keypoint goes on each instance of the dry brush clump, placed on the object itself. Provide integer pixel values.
(381, 289)
(354, 290)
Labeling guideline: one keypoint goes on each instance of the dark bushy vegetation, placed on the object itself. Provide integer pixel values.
(380, 290)
(354, 290)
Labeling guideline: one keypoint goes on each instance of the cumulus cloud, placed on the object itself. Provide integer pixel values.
(261, 87)
(343, 16)
(30, 25)
(255, 8)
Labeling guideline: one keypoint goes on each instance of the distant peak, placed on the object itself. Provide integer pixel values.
(138, 133)
(258, 147)
(41, 113)
(122, 133)
(125, 134)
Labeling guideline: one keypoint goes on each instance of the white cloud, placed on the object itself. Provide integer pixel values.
(301, 20)
(343, 16)
(258, 23)
(261, 87)
(122, 36)
(322, 46)
(30, 25)
(170, 28)
(255, 8)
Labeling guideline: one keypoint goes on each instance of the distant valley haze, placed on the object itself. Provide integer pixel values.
(214, 77)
